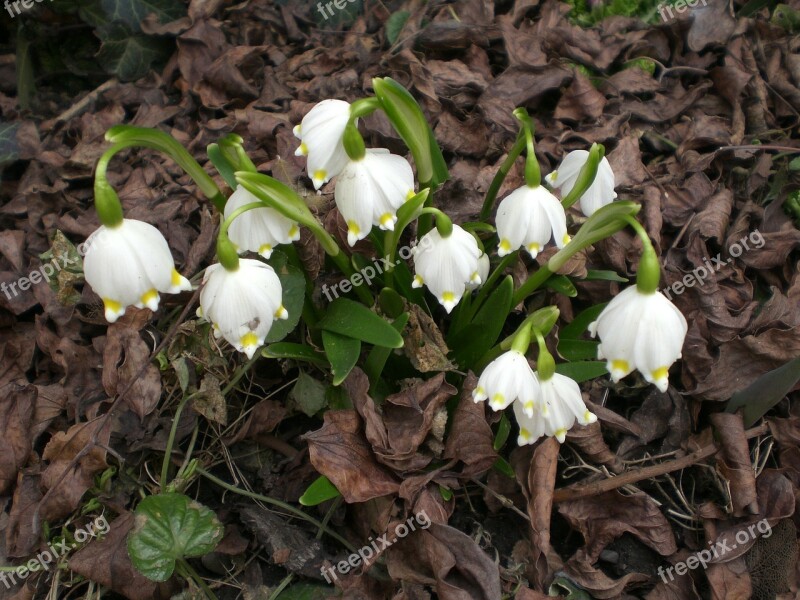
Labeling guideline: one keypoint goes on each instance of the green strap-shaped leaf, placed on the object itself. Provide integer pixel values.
(355, 320)
(293, 284)
(583, 370)
(765, 392)
(580, 323)
(342, 352)
(562, 285)
(577, 349)
(318, 492)
(168, 528)
(294, 351)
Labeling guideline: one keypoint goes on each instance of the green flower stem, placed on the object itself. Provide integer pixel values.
(545, 364)
(501, 174)
(274, 502)
(226, 251)
(533, 174)
(364, 107)
(603, 223)
(586, 176)
(522, 339)
(171, 441)
(106, 201)
(542, 320)
(127, 136)
(443, 223)
(186, 570)
(648, 275)
(347, 270)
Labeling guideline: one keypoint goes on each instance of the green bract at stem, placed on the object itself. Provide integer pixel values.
(364, 107)
(127, 136)
(276, 195)
(500, 176)
(545, 364)
(603, 223)
(106, 201)
(533, 174)
(521, 341)
(353, 142)
(443, 223)
(408, 120)
(586, 175)
(542, 320)
(648, 275)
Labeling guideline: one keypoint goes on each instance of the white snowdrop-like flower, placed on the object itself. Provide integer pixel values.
(242, 304)
(129, 265)
(507, 378)
(260, 229)
(640, 331)
(445, 265)
(370, 190)
(483, 272)
(530, 217)
(600, 193)
(320, 133)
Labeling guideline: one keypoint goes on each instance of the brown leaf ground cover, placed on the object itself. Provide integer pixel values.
(699, 115)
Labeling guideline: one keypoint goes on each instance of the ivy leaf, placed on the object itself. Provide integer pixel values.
(133, 12)
(395, 24)
(129, 56)
(9, 148)
(169, 528)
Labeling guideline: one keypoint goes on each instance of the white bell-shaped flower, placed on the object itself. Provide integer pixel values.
(600, 193)
(242, 304)
(640, 331)
(530, 217)
(260, 229)
(507, 378)
(483, 272)
(129, 265)
(370, 190)
(320, 133)
(562, 405)
(445, 265)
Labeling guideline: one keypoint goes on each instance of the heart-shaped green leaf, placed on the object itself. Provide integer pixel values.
(168, 528)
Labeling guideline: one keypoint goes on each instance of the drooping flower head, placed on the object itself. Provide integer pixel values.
(241, 304)
(643, 331)
(129, 264)
(600, 193)
(530, 217)
(507, 378)
(370, 190)
(258, 230)
(561, 405)
(320, 133)
(445, 265)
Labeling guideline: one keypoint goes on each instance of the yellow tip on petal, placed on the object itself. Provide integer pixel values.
(566, 239)
(561, 434)
(478, 394)
(319, 175)
(553, 177)
(660, 373)
(619, 367)
(409, 195)
(303, 149)
(498, 400)
(249, 340)
(281, 313)
(534, 248)
(475, 278)
(524, 434)
(113, 309)
(296, 130)
(529, 407)
(418, 282)
(150, 299)
(504, 247)
(294, 233)
(265, 250)
(387, 220)
(176, 278)
(589, 417)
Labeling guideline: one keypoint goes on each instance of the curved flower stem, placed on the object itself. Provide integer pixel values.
(125, 136)
(533, 174)
(185, 569)
(500, 176)
(443, 223)
(171, 441)
(280, 504)
(648, 276)
(586, 176)
(347, 270)
(545, 363)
